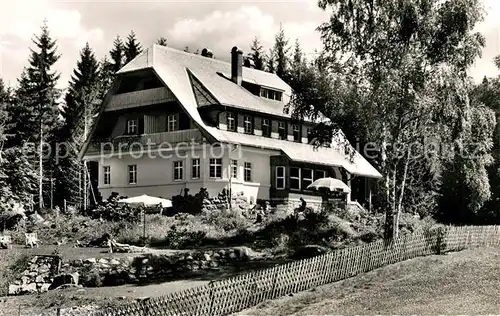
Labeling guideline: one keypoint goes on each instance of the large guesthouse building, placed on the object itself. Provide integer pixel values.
(174, 120)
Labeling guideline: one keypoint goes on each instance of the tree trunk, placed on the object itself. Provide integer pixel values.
(401, 194)
(40, 165)
(393, 203)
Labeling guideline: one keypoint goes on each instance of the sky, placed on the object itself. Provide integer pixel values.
(198, 24)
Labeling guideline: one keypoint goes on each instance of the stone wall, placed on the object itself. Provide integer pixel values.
(92, 272)
(38, 276)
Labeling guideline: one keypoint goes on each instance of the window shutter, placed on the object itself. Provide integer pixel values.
(140, 123)
(183, 121)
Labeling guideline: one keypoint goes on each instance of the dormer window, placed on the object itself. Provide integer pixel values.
(282, 130)
(132, 127)
(248, 124)
(231, 121)
(271, 94)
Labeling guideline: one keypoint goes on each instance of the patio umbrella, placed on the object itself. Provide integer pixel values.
(146, 201)
(330, 184)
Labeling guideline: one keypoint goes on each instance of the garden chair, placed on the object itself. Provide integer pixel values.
(6, 242)
(31, 240)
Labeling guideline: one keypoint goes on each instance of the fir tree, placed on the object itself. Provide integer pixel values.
(132, 47)
(257, 54)
(106, 77)
(271, 61)
(82, 101)
(281, 49)
(298, 55)
(35, 111)
(162, 41)
(17, 175)
(117, 54)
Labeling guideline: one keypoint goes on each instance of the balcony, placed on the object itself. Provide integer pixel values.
(135, 143)
(140, 98)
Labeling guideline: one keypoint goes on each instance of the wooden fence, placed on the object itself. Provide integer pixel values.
(235, 294)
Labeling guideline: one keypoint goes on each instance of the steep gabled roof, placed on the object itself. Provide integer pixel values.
(196, 81)
(212, 74)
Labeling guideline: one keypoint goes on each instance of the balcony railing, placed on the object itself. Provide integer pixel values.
(134, 143)
(140, 98)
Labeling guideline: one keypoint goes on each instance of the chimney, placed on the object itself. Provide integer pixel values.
(207, 53)
(236, 65)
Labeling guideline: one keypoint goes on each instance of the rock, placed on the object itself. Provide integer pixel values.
(189, 257)
(309, 251)
(243, 253)
(114, 262)
(45, 287)
(39, 279)
(34, 259)
(206, 256)
(232, 255)
(14, 289)
(90, 260)
(43, 270)
(29, 288)
(25, 280)
(104, 261)
(63, 279)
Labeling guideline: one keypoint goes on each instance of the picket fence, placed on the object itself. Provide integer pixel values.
(224, 297)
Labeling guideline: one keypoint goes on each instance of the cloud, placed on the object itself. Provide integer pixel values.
(225, 29)
(20, 20)
(23, 18)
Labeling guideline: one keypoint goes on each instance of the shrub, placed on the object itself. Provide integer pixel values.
(225, 220)
(111, 211)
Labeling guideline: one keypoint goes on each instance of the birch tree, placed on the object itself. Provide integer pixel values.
(393, 75)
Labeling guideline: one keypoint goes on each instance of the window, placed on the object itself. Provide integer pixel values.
(309, 136)
(271, 94)
(280, 177)
(295, 178)
(266, 128)
(107, 174)
(216, 168)
(307, 178)
(231, 122)
(132, 127)
(248, 124)
(234, 168)
(195, 172)
(172, 123)
(248, 172)
(132, 174)
(318, 174)
(296, 132)
(178, 170)
(282, 130)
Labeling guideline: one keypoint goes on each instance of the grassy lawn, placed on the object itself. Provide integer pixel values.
(467, 282)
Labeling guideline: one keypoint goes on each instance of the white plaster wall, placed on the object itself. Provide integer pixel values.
(155, 173)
